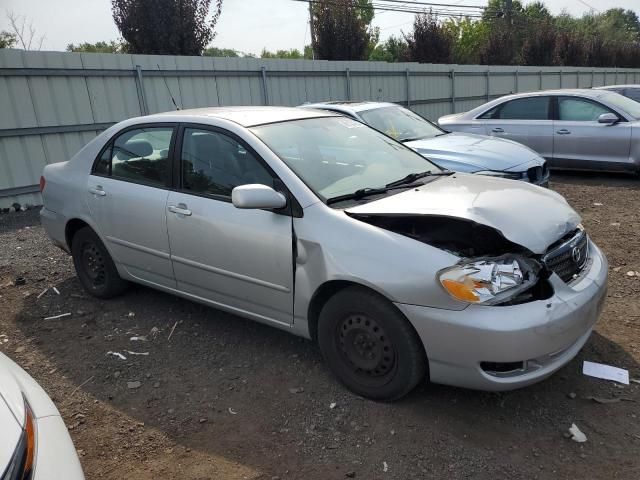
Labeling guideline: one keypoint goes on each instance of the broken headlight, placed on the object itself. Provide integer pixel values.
(488, 280)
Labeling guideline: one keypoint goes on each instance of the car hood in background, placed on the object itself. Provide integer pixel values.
(528, 215)
(477, 151)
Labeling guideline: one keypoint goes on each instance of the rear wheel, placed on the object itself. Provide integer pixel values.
(95, 268)
(369, 345)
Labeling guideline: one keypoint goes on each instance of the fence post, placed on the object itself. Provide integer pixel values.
(540, 81)
(452, 75)
(265, 90)
(488, 73)
(616, 70)
(408, 73)
(593, 74)
(142, 100)
(517, 86)
(348, 79)
(560, 78)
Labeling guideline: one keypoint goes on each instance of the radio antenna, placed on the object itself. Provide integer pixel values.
(168, 89)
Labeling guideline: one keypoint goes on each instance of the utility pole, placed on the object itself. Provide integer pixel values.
(509, 8)
(313, 38)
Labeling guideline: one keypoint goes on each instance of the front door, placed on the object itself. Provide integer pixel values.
(579, 141)
(523, 120)
(127, 195)
(241, 260)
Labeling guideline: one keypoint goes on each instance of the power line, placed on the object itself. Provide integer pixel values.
(430, 4)
(445, 12)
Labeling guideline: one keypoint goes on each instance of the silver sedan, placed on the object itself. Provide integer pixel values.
(573, 129)
(319, 225)
(457, 152)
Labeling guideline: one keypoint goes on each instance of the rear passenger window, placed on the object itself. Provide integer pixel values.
(215, 163)
(139, 155)
(533, 108)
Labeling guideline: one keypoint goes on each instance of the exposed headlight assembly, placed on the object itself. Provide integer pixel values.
(510, 175)
(489, 280)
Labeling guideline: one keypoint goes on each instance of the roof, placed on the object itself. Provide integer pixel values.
(587, 92)
(607, 87)
(246, 116)
(349, 106)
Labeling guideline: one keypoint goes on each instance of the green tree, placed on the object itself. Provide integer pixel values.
(220, 52)
(468, 37)
(166, 27)
(393, 49)
(291, 54)
(341, 29)
(7, 39)
(98, 47)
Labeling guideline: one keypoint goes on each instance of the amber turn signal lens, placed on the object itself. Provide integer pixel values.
(460, 291)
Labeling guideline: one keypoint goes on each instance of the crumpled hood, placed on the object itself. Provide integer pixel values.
(528, 215)
(479, 151)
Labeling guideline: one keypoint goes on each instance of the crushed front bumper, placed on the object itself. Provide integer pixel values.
(542, 335)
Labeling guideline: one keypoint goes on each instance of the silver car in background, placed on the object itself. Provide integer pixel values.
(319, 225)
(629, 91)
(573, 129)
(458, 152)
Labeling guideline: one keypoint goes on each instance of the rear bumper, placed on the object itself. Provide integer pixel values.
(544, 335)
(54, 224)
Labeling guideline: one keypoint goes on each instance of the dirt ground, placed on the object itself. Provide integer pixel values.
(225, 398)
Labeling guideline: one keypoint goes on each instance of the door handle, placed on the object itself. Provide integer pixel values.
(98, 191)
(563, 131)
(180, 209)
(497, 130)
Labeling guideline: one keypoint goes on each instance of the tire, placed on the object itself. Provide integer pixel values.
(94, 266)
(370, 346)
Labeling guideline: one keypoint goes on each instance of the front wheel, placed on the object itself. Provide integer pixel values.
(95, 268)
(369, 345)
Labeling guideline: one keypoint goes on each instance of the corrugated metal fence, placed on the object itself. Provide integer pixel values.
(52, 103)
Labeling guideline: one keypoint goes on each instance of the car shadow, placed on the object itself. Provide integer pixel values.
(260, 397)
(588, 178)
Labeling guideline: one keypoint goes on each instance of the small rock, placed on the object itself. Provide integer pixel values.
(332, 405)
(19, 281)
(156, 385)
(134, 385)
(571, 395)
(350, 474)
(630, 273)
(296, 390)
(170, 411)
(116, 374)
(203, 420)
(20, 349)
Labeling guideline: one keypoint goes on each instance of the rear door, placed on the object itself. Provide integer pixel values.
(241, 260)
(579, 141)
(127, 195)
(524, 120)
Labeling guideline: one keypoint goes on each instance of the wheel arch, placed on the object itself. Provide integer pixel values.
(72, 227)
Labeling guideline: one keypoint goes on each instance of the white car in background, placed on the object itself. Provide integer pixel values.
(458, 152)
(34, 441)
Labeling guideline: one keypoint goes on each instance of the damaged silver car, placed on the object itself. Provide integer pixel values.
(322, 226)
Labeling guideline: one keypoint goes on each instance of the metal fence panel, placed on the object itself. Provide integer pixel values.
(52, 103)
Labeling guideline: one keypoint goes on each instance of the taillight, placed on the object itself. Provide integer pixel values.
(43, 182)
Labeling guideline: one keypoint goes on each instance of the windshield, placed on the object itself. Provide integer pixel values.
(337, 156)
(400, 123)
(630, 107)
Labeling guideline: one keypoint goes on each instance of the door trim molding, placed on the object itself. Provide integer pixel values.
(226, 273)
(140, 248)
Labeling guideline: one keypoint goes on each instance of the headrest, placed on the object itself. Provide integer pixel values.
(138, 148)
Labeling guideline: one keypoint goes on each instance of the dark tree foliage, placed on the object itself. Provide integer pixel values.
(497, 49)
(429, 42)
(341, 30)
(571, 50)
(166, 27)
(539, 45)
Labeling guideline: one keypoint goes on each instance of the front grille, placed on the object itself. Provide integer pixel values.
(569, 258)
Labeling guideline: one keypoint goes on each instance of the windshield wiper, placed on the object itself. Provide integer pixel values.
(367, 192)
(412, 177)
(413, 139)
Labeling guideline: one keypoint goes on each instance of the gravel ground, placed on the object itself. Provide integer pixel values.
(220, 397)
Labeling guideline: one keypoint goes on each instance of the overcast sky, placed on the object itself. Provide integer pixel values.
(245, 25)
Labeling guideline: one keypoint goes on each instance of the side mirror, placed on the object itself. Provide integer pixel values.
(608, 118)
(256, 196)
